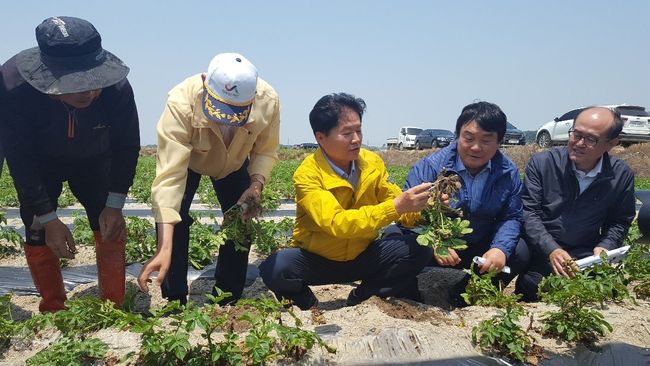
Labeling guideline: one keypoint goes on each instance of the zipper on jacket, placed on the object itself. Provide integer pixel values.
(72, 120)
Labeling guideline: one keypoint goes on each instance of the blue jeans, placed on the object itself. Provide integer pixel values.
(230, 274)
(388, 267)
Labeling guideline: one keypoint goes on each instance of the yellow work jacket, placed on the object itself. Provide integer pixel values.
(335, 221)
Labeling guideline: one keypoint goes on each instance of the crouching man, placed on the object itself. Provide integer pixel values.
(343, 198)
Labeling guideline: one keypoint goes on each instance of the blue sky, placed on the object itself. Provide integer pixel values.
(414, 62)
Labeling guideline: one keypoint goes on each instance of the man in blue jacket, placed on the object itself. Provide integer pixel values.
(578, 200)
(489, 196)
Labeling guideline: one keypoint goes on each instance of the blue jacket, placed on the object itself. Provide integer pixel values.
(497, 220)
(559, 216)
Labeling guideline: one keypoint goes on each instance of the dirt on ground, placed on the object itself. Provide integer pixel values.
(378, 331)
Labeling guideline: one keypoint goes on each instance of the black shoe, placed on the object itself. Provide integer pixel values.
(457, 301)
(354, 299)
(304, 300)
(411, 293)
(306, 304)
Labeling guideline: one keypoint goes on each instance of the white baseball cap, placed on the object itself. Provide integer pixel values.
(229, 89)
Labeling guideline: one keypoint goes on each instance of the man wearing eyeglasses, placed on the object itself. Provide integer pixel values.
(578, 200)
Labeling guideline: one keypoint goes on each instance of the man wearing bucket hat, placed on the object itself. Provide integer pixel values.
(223, 124)
(68, 114)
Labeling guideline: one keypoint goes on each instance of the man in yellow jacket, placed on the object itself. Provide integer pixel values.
(343, 198)
(223, 124)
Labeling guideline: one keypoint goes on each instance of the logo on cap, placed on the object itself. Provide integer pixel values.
(231, 90)
(61, 25)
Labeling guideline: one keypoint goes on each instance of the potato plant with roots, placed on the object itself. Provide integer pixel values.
(440, 231)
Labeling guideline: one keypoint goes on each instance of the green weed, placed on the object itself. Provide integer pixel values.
(502, 335)
(10, 239)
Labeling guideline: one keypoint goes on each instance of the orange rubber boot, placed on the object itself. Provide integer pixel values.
(111, 269)
(46, 274)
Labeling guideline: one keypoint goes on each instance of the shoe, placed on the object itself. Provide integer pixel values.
(353, 299)
(411, 293)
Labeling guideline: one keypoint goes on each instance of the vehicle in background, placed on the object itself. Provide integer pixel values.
(405, 138)
(556, 132)
(306, 146)
(513, 136)
(391, 143)
(431, 138)
(636, 126)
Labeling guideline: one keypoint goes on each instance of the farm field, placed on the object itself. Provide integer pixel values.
(375, 332)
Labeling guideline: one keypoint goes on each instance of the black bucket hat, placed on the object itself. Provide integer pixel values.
(69, 58)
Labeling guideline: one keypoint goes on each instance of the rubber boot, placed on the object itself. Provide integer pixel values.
(46, 274)
(111, 269)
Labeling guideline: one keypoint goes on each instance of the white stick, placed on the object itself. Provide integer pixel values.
(613, 256)
(481, 260)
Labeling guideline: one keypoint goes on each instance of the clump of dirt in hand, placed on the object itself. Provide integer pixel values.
(571, 267)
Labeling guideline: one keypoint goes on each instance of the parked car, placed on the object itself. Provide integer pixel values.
(306, 146)
(406, 137)
(430, 138)
(513, 136)
(636, 126)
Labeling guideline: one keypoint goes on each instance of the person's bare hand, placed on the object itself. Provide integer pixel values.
(59, 239)
(448, 261)
(111, 224)
(558, 258)
(495, 260)
(158, 263)
(161, 261)
(251, 198)
(598, 250)
(414, 199)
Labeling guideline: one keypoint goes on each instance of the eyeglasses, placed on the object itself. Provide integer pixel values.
(590, 141)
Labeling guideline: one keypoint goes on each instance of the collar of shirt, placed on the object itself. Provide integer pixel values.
(585, 179)
(473, 183)
(227, 133)
(352, 178)
(590, 174)
(460, 167)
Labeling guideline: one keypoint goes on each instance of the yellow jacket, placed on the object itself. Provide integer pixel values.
(333, 220)
(187, 139)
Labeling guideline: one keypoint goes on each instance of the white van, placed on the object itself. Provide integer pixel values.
(406, 137)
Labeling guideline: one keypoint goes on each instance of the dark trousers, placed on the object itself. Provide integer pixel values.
(388, 267)
(89, 183)
(230, 274)
(528, 282)
(517, 262)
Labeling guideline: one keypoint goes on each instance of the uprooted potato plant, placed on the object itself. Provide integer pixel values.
(440, 231)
